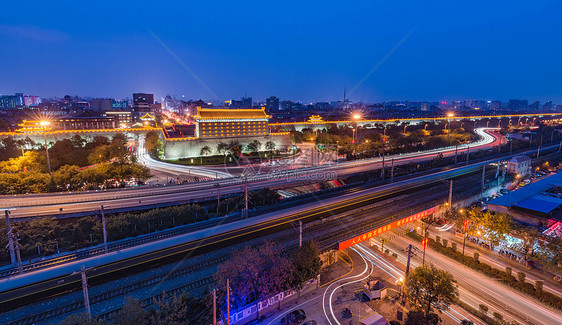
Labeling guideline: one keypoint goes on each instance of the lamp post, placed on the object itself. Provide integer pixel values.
(44, 124)
(355, 117)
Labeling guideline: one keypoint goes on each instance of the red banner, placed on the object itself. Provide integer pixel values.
(378, 231)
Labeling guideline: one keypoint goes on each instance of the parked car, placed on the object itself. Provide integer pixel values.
(295, 317)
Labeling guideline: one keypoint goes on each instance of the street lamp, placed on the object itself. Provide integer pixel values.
(399, 283)
(44, 124)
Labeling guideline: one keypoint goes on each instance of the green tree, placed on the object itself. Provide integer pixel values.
(132, 313)
(222, 148)
(80, 319)
(153, 143)
(306, 264)
(180, 310)
(428, 286)
(205, 151)
(270, 146)
(419, 318)
(255, 273)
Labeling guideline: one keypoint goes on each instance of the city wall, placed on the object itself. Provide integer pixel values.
(189, 148)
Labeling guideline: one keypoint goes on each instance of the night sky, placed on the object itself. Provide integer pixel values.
(294, 50)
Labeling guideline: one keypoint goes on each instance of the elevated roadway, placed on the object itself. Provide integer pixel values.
(87, 203)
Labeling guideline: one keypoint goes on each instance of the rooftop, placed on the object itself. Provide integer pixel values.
(230, 114)
(538, 198)
(519, 159)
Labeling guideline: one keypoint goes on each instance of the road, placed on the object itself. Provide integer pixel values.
(476, 288)
(218, 236)
(85, 203)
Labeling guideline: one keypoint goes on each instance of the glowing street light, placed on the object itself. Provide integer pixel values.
(356, 116)
(44, 124)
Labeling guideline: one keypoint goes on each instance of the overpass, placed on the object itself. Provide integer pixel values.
(315, 122)
(88, 203)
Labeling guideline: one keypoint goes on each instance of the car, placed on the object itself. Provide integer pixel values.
(504, 191)
(295, 317)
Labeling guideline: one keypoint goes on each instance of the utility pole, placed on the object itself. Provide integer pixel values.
(300, 233)
(11, 238)
(47, 152)
(408, 262)
(392, 171)
(383, 166)
(85, 292)
(483, 179)
(456, 152)
(539, 149)
(245, 196)
(214, 306)
(227, 301)
(104, 232)
(218, 197)
(18, 255)
(450, 194)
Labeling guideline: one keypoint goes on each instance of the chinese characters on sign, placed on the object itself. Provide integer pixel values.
(358, 239)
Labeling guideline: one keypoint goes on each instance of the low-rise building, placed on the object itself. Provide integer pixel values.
(520, 165)
(538, 203)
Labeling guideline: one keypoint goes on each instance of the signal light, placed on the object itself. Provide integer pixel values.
(465, 225)
(425, 243)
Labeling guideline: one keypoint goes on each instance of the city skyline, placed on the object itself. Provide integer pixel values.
(430, 52)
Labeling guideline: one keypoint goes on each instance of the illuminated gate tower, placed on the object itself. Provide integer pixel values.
(217, 123)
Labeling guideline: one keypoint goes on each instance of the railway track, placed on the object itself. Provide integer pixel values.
(354, 220)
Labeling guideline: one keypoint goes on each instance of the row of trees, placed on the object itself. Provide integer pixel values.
(255, 273)
(235, 148)
(175, 310)
(371, 142)
(75, 163)
(494, 227)
(41, 237)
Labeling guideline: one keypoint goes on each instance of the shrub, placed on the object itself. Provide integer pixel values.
(483, 308)
(476, 257)
(445, 242)
(538, 285)
(437, 239)
(521, 276)
(454, 247)
(508, 270)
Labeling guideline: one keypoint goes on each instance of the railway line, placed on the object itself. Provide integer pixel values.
(323, 232)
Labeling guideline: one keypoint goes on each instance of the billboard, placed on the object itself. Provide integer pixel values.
(366, 236)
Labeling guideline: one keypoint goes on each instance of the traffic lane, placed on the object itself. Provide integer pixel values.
(183, 197)
(455, 313)
(214, 238)
(493, 292)
(370, 163)
(496, 261)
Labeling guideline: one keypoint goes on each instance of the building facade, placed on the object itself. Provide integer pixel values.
(520, 165)
(212, 123)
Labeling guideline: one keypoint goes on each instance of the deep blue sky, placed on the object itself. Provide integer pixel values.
(302, 50)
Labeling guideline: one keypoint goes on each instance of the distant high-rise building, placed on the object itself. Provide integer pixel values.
(142, 99)
(495, 105)
(535, 106)
(518, 104)
(272, 104)
(11, 101)
(101, 104)
(245, 102)
(547, 106)
(29, 100)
